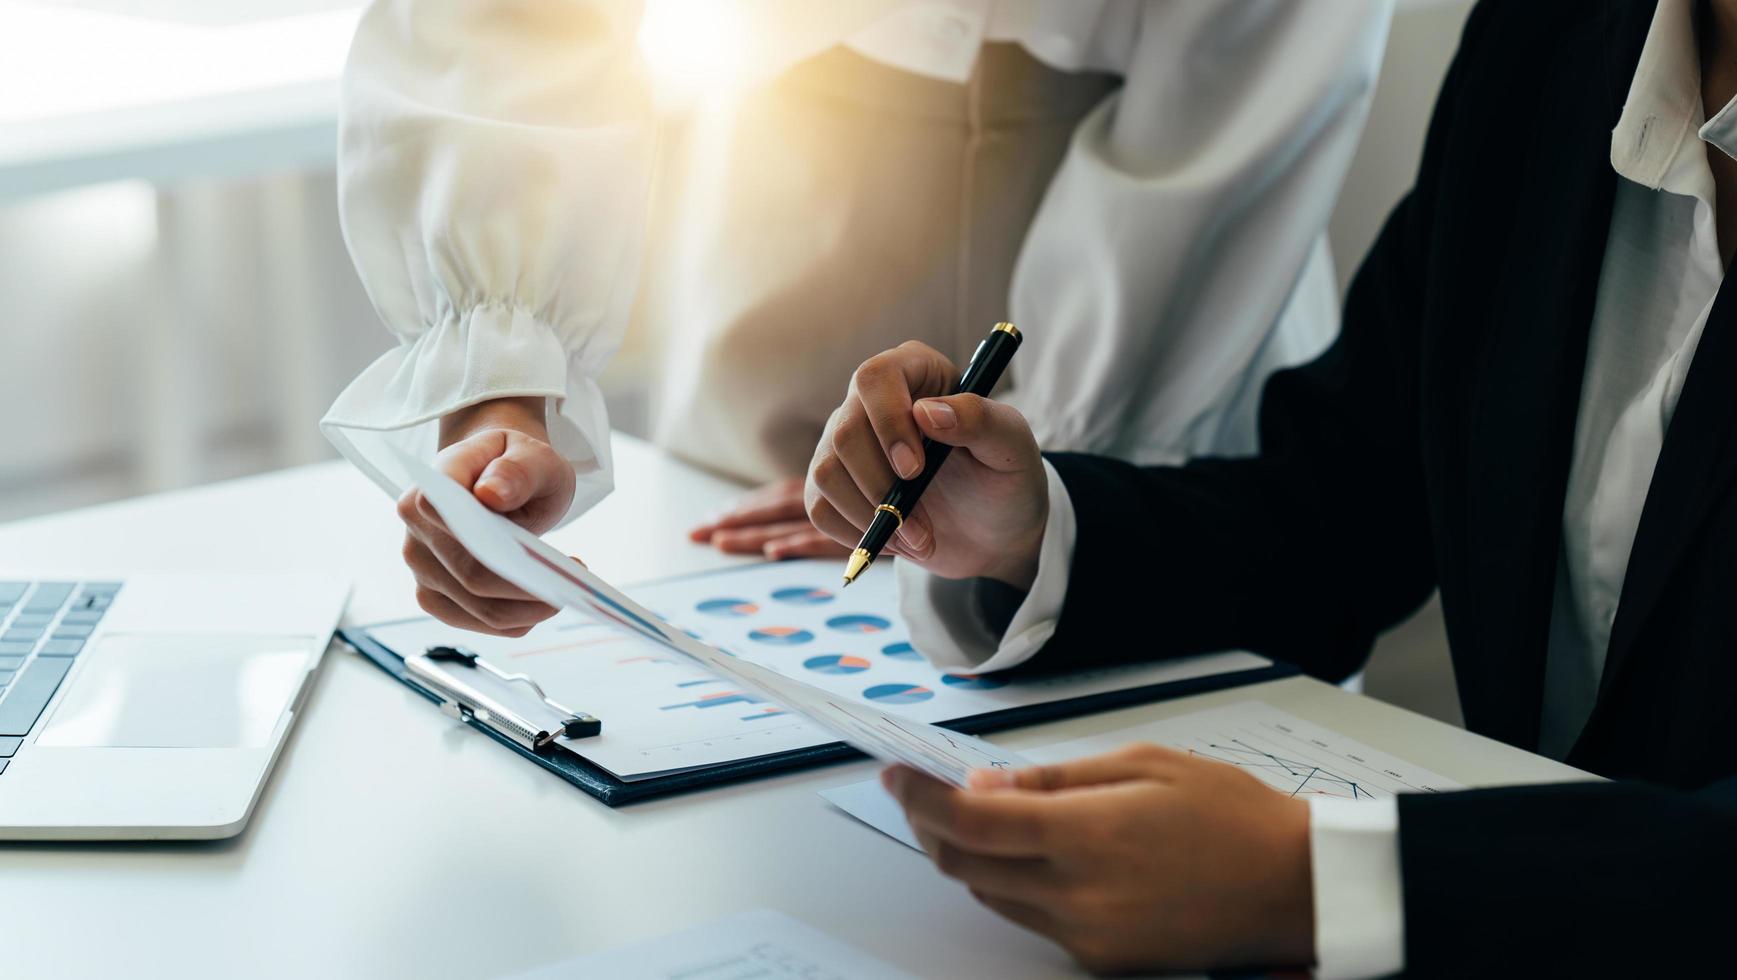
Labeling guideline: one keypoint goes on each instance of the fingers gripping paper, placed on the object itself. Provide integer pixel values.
(523, 559)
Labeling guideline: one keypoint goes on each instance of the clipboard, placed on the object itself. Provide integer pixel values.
(461, 680)
(511, 709)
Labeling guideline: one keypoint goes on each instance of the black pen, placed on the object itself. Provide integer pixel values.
(987, 363)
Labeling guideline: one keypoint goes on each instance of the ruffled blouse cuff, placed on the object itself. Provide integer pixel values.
(488, 352)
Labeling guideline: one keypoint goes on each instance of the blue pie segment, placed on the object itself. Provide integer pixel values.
(837, 663)
(901, 651)
(898, 693)
(859, 623)
(729, 608)
(780, 636)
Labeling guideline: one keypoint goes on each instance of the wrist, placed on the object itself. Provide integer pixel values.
(1293, 914)
(1018, 562)
(528, 415)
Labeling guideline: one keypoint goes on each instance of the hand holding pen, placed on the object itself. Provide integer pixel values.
(982, 510)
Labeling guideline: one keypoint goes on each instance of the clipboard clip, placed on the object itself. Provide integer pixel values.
(465, 703)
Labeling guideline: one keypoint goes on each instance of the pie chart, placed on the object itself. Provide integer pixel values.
(803, 595)
(780, 636)
(859, 623)
(972, 682)
(901, 651)
(898, 693)
(731, 608)
(836, 663)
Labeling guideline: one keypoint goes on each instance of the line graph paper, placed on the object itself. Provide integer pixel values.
(1291, 755)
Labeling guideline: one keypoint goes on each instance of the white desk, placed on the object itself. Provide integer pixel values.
(392, 842)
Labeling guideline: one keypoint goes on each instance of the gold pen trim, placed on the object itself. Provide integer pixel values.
(859, 560)
(1005, 327)
(889, 508)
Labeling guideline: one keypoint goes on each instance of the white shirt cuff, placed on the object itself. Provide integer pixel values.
(491, 352)
(945, 618)
(1359, 920)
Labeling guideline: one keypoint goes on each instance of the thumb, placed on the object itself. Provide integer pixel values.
(996, 434)
(465, 460)
(1125, 764)
(526, 470)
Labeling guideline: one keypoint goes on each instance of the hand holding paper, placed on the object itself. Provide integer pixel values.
(525, 560)
(501, 450)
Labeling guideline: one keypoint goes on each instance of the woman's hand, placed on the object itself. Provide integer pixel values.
(984, 513)
(499, 450)
(1142, 859)
(770, 521)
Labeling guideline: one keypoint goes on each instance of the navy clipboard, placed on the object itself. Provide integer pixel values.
(615, 792)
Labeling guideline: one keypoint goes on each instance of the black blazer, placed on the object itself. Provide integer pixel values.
(1429, 449)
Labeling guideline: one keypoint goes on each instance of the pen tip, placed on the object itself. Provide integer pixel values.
(859, 560)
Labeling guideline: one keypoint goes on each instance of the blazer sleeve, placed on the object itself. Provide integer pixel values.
(1302, 553)
(1581, 879)
(1308, 550)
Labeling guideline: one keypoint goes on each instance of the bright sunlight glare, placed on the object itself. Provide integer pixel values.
(692, 45)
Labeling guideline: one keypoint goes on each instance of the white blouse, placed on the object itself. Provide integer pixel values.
(496, 159)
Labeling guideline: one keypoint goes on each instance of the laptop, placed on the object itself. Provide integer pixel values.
(151, 707)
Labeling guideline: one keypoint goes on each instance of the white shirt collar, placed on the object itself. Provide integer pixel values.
(1650, 144)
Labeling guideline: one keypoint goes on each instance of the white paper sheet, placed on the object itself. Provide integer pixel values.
(869, 802)
(757, 945)
(663, 714)
(793, 617)
(1287, 753)
(523, 559)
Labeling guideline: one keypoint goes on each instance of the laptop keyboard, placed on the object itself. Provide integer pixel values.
(43, 627)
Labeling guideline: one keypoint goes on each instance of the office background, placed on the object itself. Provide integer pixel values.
(191, 325)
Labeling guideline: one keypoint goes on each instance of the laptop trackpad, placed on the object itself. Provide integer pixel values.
(161, 691)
